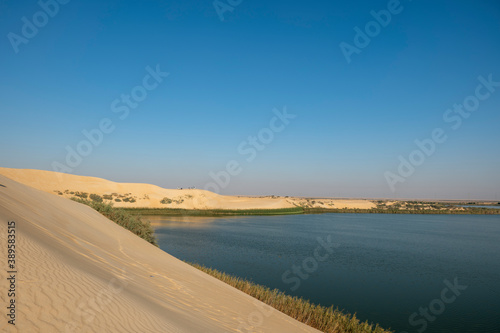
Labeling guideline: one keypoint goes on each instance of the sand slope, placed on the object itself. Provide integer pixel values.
(150, 196)
(80, 272)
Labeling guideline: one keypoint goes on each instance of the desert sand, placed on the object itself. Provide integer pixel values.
(150, 196)
(80, 272)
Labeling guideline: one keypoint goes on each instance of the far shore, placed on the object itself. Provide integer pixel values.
(154, 200)
(305, 211)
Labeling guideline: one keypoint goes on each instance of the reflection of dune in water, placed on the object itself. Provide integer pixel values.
(185, 221)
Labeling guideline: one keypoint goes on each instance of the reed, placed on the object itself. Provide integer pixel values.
(325, 319)
(130, 222)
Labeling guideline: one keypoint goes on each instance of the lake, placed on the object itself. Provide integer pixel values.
(410, 273)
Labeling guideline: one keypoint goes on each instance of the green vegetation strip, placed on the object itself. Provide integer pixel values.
(301, 210)
(325, 319)
(466, 211)
(213, 212)
(130, 222)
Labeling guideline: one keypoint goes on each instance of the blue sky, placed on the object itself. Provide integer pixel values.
(353, 120)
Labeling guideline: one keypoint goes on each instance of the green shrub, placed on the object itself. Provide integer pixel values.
(166, 201)
(107, 197)
(118, 200)
(83, 195)
(96, 197)
(130, 222)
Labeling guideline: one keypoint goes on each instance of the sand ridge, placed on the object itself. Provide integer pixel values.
(78, 271)
(151, 196)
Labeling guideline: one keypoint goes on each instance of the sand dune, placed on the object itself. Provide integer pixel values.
(80, 272)
(151, 196)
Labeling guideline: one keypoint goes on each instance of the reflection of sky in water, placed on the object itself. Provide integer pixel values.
(386, 267)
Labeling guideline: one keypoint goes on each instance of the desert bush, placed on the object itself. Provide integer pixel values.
(83, 195)
(130, 222)
(95, 197)
(166, 201)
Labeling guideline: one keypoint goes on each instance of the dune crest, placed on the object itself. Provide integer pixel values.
(152, 196)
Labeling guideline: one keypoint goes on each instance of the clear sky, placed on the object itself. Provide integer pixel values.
(360, 100)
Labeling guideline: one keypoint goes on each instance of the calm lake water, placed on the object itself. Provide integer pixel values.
(386, 268)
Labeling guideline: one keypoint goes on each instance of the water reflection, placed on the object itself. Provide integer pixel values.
(185, 221)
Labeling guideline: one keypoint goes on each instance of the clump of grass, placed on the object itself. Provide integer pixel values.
(95, 197)
(328, 320)
(83, 195)
(168, 201)
(130, 222)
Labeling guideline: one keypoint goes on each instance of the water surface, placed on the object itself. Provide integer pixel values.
(385, 268)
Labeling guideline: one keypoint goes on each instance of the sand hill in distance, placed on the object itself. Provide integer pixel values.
(151, 196)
